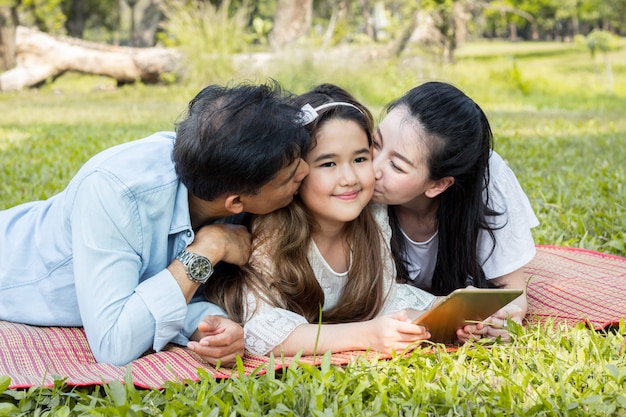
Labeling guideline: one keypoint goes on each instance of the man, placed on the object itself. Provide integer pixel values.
(124, 248)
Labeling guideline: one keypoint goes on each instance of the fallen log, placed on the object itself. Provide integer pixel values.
(40, 56)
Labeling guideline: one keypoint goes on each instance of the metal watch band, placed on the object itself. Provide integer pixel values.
(199, 268)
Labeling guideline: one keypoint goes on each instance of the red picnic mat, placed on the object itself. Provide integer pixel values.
(570, 285)
(576, 285)
(36, 356)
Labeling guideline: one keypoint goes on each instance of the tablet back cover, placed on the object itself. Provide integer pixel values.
(473, 304)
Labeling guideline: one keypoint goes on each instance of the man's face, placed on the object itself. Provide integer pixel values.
(280, 191)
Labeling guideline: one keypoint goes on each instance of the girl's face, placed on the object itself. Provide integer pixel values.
(341, 179)
(402, 175)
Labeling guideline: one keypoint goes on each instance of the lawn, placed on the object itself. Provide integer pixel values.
(556, 121)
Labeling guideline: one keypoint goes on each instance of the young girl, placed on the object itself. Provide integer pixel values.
(324, 258)
(458, 214)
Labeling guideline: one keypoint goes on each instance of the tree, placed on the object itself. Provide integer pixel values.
(8, 23)
(450, 18)
(85, 14)
(292, 20)
(604, 42)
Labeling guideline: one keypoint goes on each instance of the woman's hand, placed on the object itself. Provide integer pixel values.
(495, 326)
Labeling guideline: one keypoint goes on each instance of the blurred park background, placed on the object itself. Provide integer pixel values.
(550, 75)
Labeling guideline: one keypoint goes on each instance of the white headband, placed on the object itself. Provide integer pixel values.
(308, 113)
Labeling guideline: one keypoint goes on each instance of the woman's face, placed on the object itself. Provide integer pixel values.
(341, 180)
(402, 174)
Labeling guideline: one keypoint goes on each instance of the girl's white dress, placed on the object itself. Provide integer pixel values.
(266, 326)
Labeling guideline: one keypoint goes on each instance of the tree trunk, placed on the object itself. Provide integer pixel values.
(292, 20)
(41, 57)
(512, 31)
(398, 46)
(8, 22)
(75, 24)
(149, 23)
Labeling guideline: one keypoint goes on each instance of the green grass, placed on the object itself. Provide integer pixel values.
(546, 370)
(555, 121)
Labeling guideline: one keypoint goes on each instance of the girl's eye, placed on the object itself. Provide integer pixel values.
(327, 164)
(361, 159)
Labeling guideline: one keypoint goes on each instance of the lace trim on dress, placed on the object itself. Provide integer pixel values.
(266, 331)
(408, 296)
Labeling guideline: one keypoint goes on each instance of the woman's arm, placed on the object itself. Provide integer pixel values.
(516, 309)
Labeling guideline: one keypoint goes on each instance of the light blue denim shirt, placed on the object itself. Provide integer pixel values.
(95, 255)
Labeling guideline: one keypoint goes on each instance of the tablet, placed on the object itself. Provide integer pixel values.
(461, 306)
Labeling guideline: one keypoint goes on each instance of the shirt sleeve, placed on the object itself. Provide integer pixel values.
(122, 316)
(196, 311)
(514, 244)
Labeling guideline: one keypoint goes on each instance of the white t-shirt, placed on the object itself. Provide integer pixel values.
(267, 326)
(514, 244)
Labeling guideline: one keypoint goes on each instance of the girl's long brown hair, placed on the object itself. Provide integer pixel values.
(292, 284)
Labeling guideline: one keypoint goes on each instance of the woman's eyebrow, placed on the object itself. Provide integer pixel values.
(394, 153)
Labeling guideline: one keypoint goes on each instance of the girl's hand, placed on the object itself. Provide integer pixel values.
(394, 332)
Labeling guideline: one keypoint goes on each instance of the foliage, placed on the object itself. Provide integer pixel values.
(101, 17)
(207, 35)
(554, 122)
(602, 41)
(47, 15)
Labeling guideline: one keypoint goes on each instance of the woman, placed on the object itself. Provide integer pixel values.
(458, 214)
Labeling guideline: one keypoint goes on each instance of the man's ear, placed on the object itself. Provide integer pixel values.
(233, 203)
(439, 186)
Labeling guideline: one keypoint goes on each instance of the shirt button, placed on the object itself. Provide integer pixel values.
(188, 233)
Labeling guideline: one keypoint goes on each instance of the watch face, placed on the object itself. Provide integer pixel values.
(200, 269)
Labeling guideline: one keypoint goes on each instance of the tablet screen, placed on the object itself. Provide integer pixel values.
(461, 306)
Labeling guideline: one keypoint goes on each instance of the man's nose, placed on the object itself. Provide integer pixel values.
(303, 170)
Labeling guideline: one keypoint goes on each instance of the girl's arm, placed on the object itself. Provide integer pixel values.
(385, 334)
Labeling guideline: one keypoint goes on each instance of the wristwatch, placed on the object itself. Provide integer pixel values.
(198, 267)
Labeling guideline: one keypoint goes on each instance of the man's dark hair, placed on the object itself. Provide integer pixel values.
(235, 139)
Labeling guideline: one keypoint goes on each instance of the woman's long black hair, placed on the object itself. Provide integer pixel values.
(459, 138)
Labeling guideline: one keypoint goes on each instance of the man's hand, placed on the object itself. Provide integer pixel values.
(218, 340)
(223, 242)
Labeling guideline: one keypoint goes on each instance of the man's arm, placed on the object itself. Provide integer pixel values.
(123, 316)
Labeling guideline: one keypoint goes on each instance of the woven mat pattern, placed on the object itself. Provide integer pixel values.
(36, 356)
(571, 285)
